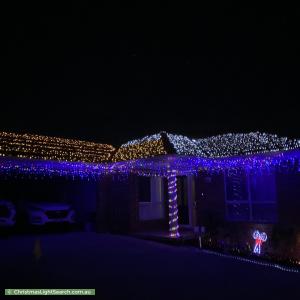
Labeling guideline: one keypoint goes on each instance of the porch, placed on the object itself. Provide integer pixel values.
(187, 236)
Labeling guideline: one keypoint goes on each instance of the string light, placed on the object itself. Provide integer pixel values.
(146, 147)
(256, 262)
(260, 237)
(173, 209)
(40, 156)
(52, 148)
(148, 138)
(283, 162)
(232, 144)
(15, 167)
(145, 157)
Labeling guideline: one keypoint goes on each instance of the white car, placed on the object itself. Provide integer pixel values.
(48, 212)
(7, 213)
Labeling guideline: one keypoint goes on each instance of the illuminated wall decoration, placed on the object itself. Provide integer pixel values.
(259, 237)
(173, 209)
(52, 148)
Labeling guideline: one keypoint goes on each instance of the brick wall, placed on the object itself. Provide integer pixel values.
(283, 237)
(209, 197)
(116, 207)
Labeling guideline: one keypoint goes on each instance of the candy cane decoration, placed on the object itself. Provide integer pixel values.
(260, 237)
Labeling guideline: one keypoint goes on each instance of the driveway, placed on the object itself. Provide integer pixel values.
(121, 267)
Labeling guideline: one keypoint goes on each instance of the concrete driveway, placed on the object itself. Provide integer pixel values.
(121, 267)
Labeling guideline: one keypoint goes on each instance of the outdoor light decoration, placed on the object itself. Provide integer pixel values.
(256, 262)
(287, 161)
(220, 146)
(232, 144)
(35, 169)
(146, 147)
(52, 148)
(173, 209)
(38, 156)
(148, 138)
(260, 237)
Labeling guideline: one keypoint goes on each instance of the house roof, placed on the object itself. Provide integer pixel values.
(226, 145)
(148, 146)
(156, 145)
(52, 148)
(49, 156)
(232, 144)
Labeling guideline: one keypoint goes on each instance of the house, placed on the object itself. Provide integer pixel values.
(235, 189)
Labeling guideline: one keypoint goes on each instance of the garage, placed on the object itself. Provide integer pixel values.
(50, 181)
(51, 201)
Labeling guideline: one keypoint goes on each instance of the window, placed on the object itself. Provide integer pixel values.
(236, 187)
(151, 204)
(250, 197)
(238, 212)
(144, 189)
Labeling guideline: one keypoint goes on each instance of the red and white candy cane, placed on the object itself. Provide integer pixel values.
(260, 237)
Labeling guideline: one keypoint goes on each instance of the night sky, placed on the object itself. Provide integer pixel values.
(110, 74)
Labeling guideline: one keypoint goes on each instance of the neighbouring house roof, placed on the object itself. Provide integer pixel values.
(52, 148)
(226, 145)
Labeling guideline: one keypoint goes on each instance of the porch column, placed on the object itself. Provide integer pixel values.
(173, 209)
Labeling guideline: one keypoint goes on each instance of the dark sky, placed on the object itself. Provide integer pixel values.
(111, 74)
